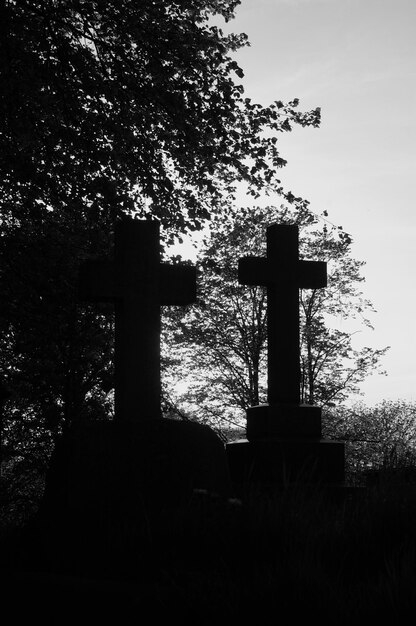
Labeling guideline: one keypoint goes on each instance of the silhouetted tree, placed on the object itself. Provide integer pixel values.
(381, 439)
(224, 336)
(108, 108)
(122, 106)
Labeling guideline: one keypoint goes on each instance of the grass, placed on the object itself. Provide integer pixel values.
(295, 553)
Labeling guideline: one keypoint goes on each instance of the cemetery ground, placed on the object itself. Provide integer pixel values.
(296, 552)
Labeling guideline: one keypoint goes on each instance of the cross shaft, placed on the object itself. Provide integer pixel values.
(138, 284)
(283, 274)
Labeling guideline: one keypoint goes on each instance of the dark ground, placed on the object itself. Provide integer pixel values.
(296, 554)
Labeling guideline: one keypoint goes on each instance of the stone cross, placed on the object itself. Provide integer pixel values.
(283, 274)
(283, 443)
(138, 284)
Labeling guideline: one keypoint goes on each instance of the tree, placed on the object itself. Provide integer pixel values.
(108, 108)
(112, 107)
(332, 368)
(381, 440)
(55, 353)
(225, 334)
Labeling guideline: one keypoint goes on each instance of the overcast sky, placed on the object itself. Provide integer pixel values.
(356, 59)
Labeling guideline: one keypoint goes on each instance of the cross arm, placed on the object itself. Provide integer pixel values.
(312, 274)
(177, 284)
(97, 283)
(253, 270)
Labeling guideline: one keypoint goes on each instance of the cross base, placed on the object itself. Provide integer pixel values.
(280, 462)
(284, 446)
(110, 481)
(283, 421)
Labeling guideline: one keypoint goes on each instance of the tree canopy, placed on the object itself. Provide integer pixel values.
(381, 440)
(121, 106)
(109, 108)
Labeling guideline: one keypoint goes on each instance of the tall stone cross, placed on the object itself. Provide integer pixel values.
(284, 443)
(283, 274)
(138, 284)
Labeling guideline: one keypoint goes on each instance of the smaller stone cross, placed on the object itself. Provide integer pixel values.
(283, 274)
(138, 284)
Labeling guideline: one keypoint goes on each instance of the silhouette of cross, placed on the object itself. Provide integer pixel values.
(138, 284)
(283, 274)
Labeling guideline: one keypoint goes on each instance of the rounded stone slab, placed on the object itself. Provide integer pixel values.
(126, 463)
(282, 421)
(112, 487)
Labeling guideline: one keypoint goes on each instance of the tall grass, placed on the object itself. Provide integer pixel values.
(297, 553)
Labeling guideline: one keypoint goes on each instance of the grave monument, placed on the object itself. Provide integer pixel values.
(107, 476)
(284, 440)
(138, 284)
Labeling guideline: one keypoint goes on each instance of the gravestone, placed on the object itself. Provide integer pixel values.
(138, 284)
(284, 439)
(109, 479)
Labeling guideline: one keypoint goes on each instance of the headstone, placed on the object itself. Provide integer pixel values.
(284, 436)
(109, 479)
(138, 284)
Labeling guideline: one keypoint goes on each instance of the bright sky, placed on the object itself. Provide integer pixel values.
(356, 59)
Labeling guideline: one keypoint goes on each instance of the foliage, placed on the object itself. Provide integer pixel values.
(108, 108)
(381, 440)
(224, 337)
(332, 368)
(55, 352)
(124, 106)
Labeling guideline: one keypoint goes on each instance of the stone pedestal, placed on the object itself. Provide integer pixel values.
(112, 487)
(284, 441)
(129, 465)
(283, 421)
(284, 446)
